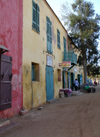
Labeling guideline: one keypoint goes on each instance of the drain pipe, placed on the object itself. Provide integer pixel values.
(32, 92)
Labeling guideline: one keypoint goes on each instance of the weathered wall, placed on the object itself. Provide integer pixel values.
(35, 47)
(11, 23)
(76, 69)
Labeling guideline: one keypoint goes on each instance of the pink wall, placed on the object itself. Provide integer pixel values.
(11, 24)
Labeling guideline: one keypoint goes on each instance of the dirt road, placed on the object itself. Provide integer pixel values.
(77, 116)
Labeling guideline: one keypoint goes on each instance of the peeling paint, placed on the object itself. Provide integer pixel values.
(33, 46)
(54, 36)
(11, 24)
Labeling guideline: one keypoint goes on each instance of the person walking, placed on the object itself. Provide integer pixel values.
(76, 84)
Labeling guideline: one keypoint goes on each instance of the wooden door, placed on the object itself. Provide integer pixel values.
(5, 81)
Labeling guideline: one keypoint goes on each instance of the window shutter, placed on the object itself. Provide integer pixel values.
(47, 35)
(33, 72)
(37, 18)
(64, 41)
(50, 37)
(58, 38)
(34, 16)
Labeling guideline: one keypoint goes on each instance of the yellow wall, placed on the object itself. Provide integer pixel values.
(34, 50)
(76, 69)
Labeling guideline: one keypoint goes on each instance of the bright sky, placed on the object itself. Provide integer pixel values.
(56, 6)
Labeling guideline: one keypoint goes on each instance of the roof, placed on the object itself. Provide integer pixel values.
(60, 23)
(3, 49)
(55, 15)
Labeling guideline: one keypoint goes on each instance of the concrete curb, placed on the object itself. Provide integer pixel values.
(4, 123)
(52, 100)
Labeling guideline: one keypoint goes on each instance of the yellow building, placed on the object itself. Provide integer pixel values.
(76, 72)
(44, 42)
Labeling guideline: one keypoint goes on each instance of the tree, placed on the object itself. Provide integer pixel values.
(93, 70)
(84, 29)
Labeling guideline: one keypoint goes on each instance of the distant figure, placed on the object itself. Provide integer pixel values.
(76, 84)
(95, 83)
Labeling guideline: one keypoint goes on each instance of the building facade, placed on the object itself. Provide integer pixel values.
(11, 24)
(44, 40)
(38, 44)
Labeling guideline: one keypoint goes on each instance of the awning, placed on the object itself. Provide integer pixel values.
(3, 49)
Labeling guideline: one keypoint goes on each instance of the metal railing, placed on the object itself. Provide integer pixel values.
(70, 56)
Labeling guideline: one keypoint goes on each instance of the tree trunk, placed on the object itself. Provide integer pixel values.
(85, 70)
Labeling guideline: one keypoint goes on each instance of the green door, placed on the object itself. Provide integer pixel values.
(68, 79)
(49, 83)
(63, 79)
(72, 80)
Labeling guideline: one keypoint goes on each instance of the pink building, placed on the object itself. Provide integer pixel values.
(11, 24)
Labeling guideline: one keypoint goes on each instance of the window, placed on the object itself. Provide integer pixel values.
(49, 36)
(59, 75)
(35, 72)
(64, 41)
(35, 18)
(58, 38)
(65, 54)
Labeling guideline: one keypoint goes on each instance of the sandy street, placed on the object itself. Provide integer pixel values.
(76, 116)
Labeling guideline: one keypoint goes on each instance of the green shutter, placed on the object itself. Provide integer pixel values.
(33, 72)
(49, 36)
(34, 16)
(65, 55)
(37, 18)
(48, 47)
(58, 38)
(64, 41)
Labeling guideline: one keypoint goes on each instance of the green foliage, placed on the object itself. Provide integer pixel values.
(84, 28)
(93, 70)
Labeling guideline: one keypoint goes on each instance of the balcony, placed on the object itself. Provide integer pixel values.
(70, 56)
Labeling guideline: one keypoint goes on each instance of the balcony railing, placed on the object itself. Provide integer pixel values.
(70, 56)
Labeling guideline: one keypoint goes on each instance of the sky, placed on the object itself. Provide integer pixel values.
(56, 6)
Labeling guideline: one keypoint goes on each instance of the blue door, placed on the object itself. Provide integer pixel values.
(80, 79)
(79, 76)
(49, 83)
